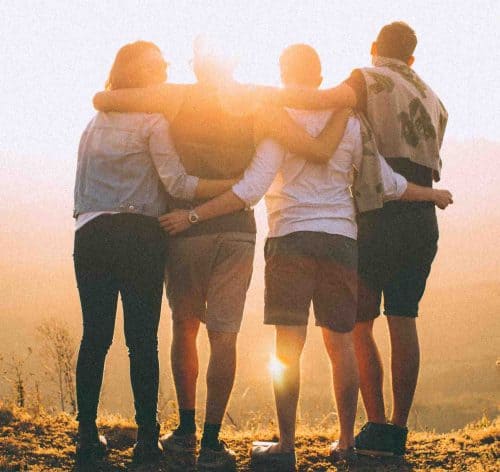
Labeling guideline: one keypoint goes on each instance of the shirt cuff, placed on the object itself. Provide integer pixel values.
(401, 186)
(190, 187)
(244, 193)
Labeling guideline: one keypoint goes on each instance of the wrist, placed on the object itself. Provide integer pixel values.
(193, 217)
(433, 195)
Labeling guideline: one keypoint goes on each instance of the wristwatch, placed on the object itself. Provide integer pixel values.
(193, 217)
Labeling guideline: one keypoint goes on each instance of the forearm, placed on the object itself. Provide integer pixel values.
(341, 96)
(165, 98)
(212, 188)
(224, 204)
(417, 193)
(277, 123)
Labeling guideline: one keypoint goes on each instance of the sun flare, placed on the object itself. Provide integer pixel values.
(276, 368)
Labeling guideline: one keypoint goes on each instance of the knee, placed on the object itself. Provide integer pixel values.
(223, 347)
(289, 349)
(146, 345)
(185, 330)
(290, 352)
(363, 330)
(96, 343)
(338, 344)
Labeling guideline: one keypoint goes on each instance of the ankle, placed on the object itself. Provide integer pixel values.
(346, 441)
(285, 445)
(210, 436)
(399, 424)
(378, 419)
(187, 423)
(398, 420)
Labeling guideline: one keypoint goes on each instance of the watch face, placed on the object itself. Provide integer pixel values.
(193, 217)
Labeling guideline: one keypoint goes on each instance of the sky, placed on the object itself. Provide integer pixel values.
(55, 55)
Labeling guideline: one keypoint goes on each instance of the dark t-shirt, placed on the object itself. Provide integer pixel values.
(213, 144)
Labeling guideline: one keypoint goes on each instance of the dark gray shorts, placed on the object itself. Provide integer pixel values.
(310, 266)
(208, 276)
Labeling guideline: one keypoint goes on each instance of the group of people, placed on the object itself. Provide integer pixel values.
(166, 179)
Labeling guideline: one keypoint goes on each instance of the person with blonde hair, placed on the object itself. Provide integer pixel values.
(127, 166)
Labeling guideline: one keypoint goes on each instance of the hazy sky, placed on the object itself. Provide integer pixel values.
(55, 55)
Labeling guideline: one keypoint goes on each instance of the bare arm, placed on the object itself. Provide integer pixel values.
(396, 187)
(278, 124)
(224, 204)
(341, 96)
(245, 193)
(212, 188)
(164, 98)
(416, 193)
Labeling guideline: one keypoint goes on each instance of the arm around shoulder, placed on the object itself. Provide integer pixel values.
(164, 98)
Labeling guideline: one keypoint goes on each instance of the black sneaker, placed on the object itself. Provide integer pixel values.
(400, 436)
(148, 448)
(179, 443)
(375, 439)
(90, 445)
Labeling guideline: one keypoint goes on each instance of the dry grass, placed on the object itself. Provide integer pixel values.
(46, 443)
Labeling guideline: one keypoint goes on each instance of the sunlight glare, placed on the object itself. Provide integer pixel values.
(276, 367)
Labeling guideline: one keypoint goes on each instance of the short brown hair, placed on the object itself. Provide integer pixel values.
(396, 40)
(127, 70)
(300, 63)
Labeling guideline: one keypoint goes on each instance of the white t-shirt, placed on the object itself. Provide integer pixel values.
(305, 196)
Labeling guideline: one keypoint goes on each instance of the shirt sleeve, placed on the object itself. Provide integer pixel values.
(357, 82)
(168, 164)
(394, 184)
(261, 172)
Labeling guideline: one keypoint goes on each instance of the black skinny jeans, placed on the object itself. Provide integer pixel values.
(124, 254)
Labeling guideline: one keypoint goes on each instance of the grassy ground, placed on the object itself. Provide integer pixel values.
(46, 443)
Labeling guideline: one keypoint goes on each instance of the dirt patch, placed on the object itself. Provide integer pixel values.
(46, 443)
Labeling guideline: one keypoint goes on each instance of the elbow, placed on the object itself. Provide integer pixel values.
(98, 102)
(247, 200)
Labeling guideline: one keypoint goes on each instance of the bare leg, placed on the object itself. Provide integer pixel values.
(340, 348)
(184, 359)
(289, 344)
(220, 374)
(371, 373)
(405, 363)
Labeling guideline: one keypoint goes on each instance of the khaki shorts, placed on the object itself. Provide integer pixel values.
(207, 277)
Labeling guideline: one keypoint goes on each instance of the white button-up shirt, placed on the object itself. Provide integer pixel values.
(304, 196)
